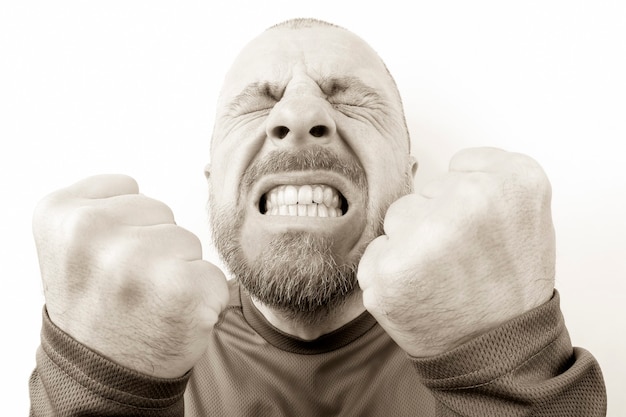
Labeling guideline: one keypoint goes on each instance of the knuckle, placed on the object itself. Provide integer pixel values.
(167, 241)
(190, 244)
(522, 160)
(156, 206)
(526, 167)
(540, 182)
(178, 292)
(529, 179)
(126, 182)
(82, 221)
(165, 210)
(478, 190)
(48, 206)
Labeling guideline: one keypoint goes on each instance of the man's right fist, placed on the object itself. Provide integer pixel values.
(122, 278)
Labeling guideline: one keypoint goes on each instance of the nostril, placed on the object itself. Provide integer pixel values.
(280, 132)
(318, 131)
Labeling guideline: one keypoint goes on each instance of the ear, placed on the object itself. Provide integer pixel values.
(414, 165)
(207, 171)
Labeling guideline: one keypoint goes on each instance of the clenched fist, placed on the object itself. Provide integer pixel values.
(473, 250)
(122, 278)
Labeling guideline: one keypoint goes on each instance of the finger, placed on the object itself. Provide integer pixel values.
(211, 281)
(169, 240)
(493, 160)
(102, 186)
(366, 272)
(438, 186)
(136, 209)
(409, 209)
(476, 159)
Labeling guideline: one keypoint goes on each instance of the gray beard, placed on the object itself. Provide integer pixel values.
(296, 274)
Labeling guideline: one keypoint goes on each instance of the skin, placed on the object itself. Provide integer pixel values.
(369, 130)
(470, 251)
(120, 277)
(467, 253)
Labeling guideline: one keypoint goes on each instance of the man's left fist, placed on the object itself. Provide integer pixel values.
(471, 251)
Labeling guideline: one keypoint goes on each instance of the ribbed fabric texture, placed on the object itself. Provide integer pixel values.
(508, 374)
(72, 380)
(526, 367)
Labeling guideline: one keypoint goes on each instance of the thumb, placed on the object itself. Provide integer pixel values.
(101, 186)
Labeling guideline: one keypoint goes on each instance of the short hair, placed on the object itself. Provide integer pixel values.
(303, 23)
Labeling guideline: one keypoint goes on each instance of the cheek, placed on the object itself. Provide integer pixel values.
(383, 153)
(387, 170)
(231, 155)
(389, 178)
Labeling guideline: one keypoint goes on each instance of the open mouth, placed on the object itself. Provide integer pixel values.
(316, 200)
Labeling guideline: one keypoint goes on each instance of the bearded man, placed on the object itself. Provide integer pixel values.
(350, 295)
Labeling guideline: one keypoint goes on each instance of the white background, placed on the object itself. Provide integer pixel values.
(90, 87)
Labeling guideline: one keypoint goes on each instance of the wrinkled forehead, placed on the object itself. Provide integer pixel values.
(324, 52)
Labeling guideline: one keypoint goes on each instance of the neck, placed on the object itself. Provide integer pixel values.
(348, 311)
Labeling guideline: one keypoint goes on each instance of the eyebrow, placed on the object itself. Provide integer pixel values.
(255, 90)
(330, 86)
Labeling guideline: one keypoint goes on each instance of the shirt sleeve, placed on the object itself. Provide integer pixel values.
(72, 380)
(526, 367)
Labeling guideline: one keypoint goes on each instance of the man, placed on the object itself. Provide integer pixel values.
(352, 295)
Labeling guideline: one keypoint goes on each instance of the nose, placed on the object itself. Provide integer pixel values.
(301, 120)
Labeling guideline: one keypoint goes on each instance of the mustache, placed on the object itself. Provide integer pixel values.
(314, 157)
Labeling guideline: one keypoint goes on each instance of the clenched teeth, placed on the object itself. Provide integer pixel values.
(316, 200)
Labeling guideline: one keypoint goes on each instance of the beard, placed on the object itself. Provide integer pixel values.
(296, 274)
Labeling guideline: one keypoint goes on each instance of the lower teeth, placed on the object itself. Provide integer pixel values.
(305, 210)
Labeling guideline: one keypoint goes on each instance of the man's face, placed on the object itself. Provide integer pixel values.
(309, 150)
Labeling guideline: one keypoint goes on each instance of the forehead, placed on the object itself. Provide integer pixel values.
(323, 51)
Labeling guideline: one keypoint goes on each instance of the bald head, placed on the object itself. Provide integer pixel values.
(302, 22)
(324, 48)
(306, 106)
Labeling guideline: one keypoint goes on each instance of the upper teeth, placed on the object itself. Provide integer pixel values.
(303, 200)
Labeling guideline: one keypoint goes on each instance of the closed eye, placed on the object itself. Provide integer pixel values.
(350, 91)
(256, 97)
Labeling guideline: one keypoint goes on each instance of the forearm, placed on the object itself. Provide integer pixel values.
(72, 380)
(527, 367)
